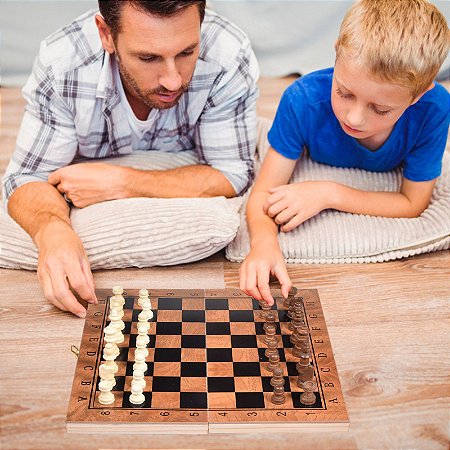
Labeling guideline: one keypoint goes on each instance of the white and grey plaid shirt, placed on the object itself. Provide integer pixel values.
(74, 111)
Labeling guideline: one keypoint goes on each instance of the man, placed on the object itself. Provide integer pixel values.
(161, 75)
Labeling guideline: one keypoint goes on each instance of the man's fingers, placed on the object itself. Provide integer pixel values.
(89, 279)
(54, 178)
(47, 287)
(63, 295)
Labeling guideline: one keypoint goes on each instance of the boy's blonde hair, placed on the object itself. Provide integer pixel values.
(403, 42)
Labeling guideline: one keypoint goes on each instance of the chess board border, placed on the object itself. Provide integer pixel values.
(86, 415)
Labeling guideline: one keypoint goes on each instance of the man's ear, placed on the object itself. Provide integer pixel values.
(431, 86)
(105, 34)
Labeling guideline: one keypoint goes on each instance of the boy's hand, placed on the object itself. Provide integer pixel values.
(292, 204)
(256, 269)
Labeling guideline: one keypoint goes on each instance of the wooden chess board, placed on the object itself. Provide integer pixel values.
(207, 371)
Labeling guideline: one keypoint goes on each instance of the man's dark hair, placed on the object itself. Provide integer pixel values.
(111, 9)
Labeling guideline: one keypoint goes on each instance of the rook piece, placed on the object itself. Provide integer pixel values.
(308, 397)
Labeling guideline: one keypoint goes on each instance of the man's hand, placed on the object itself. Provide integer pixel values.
(62, 265)
(292, 204)
(255, 271)
(87, 183)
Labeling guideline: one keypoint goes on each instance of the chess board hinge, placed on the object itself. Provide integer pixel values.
(75, 350)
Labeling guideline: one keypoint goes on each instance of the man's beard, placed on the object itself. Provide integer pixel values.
(145, 96)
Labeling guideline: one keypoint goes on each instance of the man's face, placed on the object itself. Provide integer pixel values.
(157, 56)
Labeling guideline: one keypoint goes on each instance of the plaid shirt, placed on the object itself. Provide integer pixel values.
(74, 111)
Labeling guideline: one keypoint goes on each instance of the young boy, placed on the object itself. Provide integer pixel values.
(378, 109)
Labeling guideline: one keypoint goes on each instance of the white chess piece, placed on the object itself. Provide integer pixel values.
(143, 294)
(136, 396)
(106, 397)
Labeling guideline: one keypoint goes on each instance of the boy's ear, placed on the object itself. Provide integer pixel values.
(431, 86)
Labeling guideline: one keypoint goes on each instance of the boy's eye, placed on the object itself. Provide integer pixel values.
(381, 113)
(341, 94)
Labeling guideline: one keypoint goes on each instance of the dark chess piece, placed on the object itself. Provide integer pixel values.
(265, 309)
(297, 319)
(308, 397)
(271, 347)
(301, 344)
(290, 298)
(274, 361)
(277, 381)
(270, 320)
(306, 374)
(270, 333)
(300, 333)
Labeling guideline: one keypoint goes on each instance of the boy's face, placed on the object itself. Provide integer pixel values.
(367, 109)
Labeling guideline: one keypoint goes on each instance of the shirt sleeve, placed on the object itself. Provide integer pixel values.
(285, 136)
(226, 130)
(47, 138)
(424, 162)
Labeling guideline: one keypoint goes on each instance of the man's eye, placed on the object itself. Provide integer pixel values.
(188, 53)
(147, 58)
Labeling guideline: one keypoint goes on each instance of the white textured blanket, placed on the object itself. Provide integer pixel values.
(338, 237)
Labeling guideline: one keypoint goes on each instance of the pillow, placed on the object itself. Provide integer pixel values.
(138, 232)
(338, 237)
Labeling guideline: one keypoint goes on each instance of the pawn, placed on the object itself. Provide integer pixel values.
(270, 320)
(118, 291)
(308, 397)
(277, 381)
(270, 334)
(304, 375)
(138, 379)
(136, 396)
(271, 347)
(265, 309)
(274, 361)
(143, 294)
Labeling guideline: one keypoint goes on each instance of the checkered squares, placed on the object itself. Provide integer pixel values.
(207, 353)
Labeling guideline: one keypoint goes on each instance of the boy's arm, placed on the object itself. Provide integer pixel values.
(308, 198)
(413, 198)
(265, 256)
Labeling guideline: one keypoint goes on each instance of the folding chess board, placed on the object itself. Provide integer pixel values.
(207, 369)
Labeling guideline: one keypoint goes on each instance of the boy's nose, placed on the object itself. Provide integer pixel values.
(355, 118)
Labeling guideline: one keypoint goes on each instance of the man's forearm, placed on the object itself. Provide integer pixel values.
(34, 205)
(188, 181)
(383, 204)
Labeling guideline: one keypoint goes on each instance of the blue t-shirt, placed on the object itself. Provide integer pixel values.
(305, 119)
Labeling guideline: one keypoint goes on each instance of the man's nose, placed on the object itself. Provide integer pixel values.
(170, 77)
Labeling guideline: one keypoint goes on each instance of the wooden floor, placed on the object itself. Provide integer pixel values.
(388, 323)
